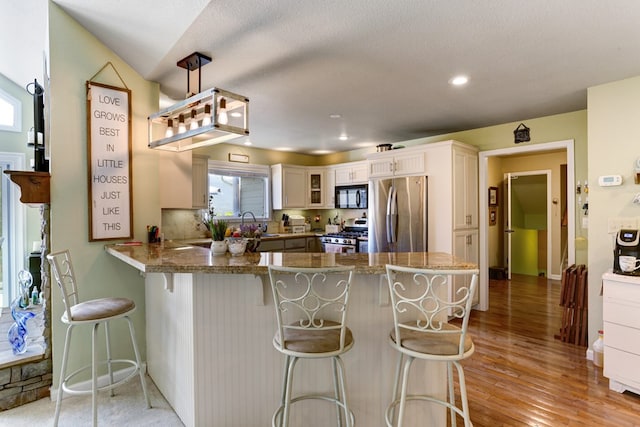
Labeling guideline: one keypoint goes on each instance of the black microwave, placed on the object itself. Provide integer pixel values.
(351, 196)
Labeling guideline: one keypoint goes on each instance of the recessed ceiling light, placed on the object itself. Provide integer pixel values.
(459, 80)
(247, 142)
(343, 137)
(335, 116)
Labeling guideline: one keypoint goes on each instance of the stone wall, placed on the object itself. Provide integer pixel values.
(24, 383)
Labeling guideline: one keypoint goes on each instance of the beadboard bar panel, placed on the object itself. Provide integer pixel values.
(233, 375)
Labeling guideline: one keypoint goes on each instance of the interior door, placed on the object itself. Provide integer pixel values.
(508, 226)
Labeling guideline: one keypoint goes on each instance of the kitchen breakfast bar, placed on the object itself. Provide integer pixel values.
(210, 322)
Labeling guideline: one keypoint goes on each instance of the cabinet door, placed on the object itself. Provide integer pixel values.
(465, 190)
(381, 167)
(343, 175)
(200, 183)
(315, 187)
(313, 244)
(465, 246)
(294, 187)
(409, 164)
(360, 172)
(330, 188)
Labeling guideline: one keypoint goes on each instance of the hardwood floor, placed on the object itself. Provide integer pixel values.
(520, 375)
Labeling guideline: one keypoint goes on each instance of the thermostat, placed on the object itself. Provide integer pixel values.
(609, 180)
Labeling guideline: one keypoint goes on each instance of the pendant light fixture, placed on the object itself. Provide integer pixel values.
(225, 115)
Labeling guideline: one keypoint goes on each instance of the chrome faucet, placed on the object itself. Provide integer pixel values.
(243, 214)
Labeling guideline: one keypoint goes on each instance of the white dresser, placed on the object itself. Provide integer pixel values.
(621, 318)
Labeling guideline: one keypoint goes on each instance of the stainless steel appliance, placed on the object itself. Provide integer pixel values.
(349, 240)
(351, 197)
(398, 214)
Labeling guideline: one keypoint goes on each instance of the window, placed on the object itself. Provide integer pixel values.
(10, 113)
(234, 189)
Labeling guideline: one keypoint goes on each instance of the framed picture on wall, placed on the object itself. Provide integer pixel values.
(493, 196)
(493, 215)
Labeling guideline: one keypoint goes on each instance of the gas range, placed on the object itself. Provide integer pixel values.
(355, 230)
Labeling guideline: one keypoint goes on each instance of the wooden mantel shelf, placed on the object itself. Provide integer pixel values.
(33, 185)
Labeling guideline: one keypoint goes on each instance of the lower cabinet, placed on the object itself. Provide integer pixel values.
(298, 244)
(621, 325)
(294, 244)
(465, 246)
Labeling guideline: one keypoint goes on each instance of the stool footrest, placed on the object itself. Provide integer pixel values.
(69, 389)
(422, 397)
(308, 397)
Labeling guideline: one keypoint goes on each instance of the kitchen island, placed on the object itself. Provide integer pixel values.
(210, 323)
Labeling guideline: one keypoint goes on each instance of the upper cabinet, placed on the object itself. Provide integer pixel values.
(465, 188)
(288, 186)
(330, 188)
(183, 180)
(403, 162)
(352, 173)
(316, 187)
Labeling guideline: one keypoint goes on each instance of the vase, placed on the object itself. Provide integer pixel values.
(237, 247)
(218, 247)
(17, 333)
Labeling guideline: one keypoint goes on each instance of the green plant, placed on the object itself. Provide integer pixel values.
(218, 229)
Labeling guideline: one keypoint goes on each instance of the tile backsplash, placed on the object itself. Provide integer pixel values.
(178, 224)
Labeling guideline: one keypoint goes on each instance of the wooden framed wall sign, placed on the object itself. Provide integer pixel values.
(109, 162)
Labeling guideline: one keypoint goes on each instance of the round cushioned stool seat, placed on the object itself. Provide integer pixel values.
(101, 308)
(433, 343)
(315, 341)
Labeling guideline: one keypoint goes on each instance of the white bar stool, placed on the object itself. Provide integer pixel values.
(311, 310)
(93, 312)
(422, 305)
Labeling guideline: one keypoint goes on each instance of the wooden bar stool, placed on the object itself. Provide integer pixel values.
(311, 310)
(423, 300)
(93, 312)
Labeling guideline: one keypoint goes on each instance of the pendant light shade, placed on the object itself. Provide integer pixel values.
(228, 120)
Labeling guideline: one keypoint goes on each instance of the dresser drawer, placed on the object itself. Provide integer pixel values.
(622, 366)
(622, 338)
(621, 312)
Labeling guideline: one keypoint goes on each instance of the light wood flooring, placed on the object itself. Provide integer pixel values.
(520, 375)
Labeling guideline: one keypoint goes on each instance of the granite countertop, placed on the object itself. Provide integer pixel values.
(172, 257)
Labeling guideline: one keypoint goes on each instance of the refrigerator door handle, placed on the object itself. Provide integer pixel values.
(393, 217)
(388, 216)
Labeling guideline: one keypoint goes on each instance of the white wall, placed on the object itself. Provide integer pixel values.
(75, 56)
(614, 146)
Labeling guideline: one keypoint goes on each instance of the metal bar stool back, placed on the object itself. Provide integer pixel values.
(431, 311)
(93, 312)
(311, 311)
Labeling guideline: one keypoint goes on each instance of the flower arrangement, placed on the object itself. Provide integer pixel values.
(218, 229)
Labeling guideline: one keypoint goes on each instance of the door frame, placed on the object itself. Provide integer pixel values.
(547, 174)
(483, 160)
(13, 219)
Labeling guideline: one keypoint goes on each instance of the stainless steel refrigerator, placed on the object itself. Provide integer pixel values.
(398, 214)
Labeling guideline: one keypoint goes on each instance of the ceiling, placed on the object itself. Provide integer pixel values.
(382, 66)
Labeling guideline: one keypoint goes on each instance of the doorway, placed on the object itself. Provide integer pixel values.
(527, 228)
(567, 148)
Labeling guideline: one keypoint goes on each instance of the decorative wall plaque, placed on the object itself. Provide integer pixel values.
(109, 162)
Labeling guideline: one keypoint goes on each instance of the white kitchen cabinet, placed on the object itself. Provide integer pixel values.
(621, 323)
(466, 247)
(288, 186)
(200, 182)
(316, 187)
(183, 180)
(403, 162)
(330, 188)
(465, 188)
(352, 173)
